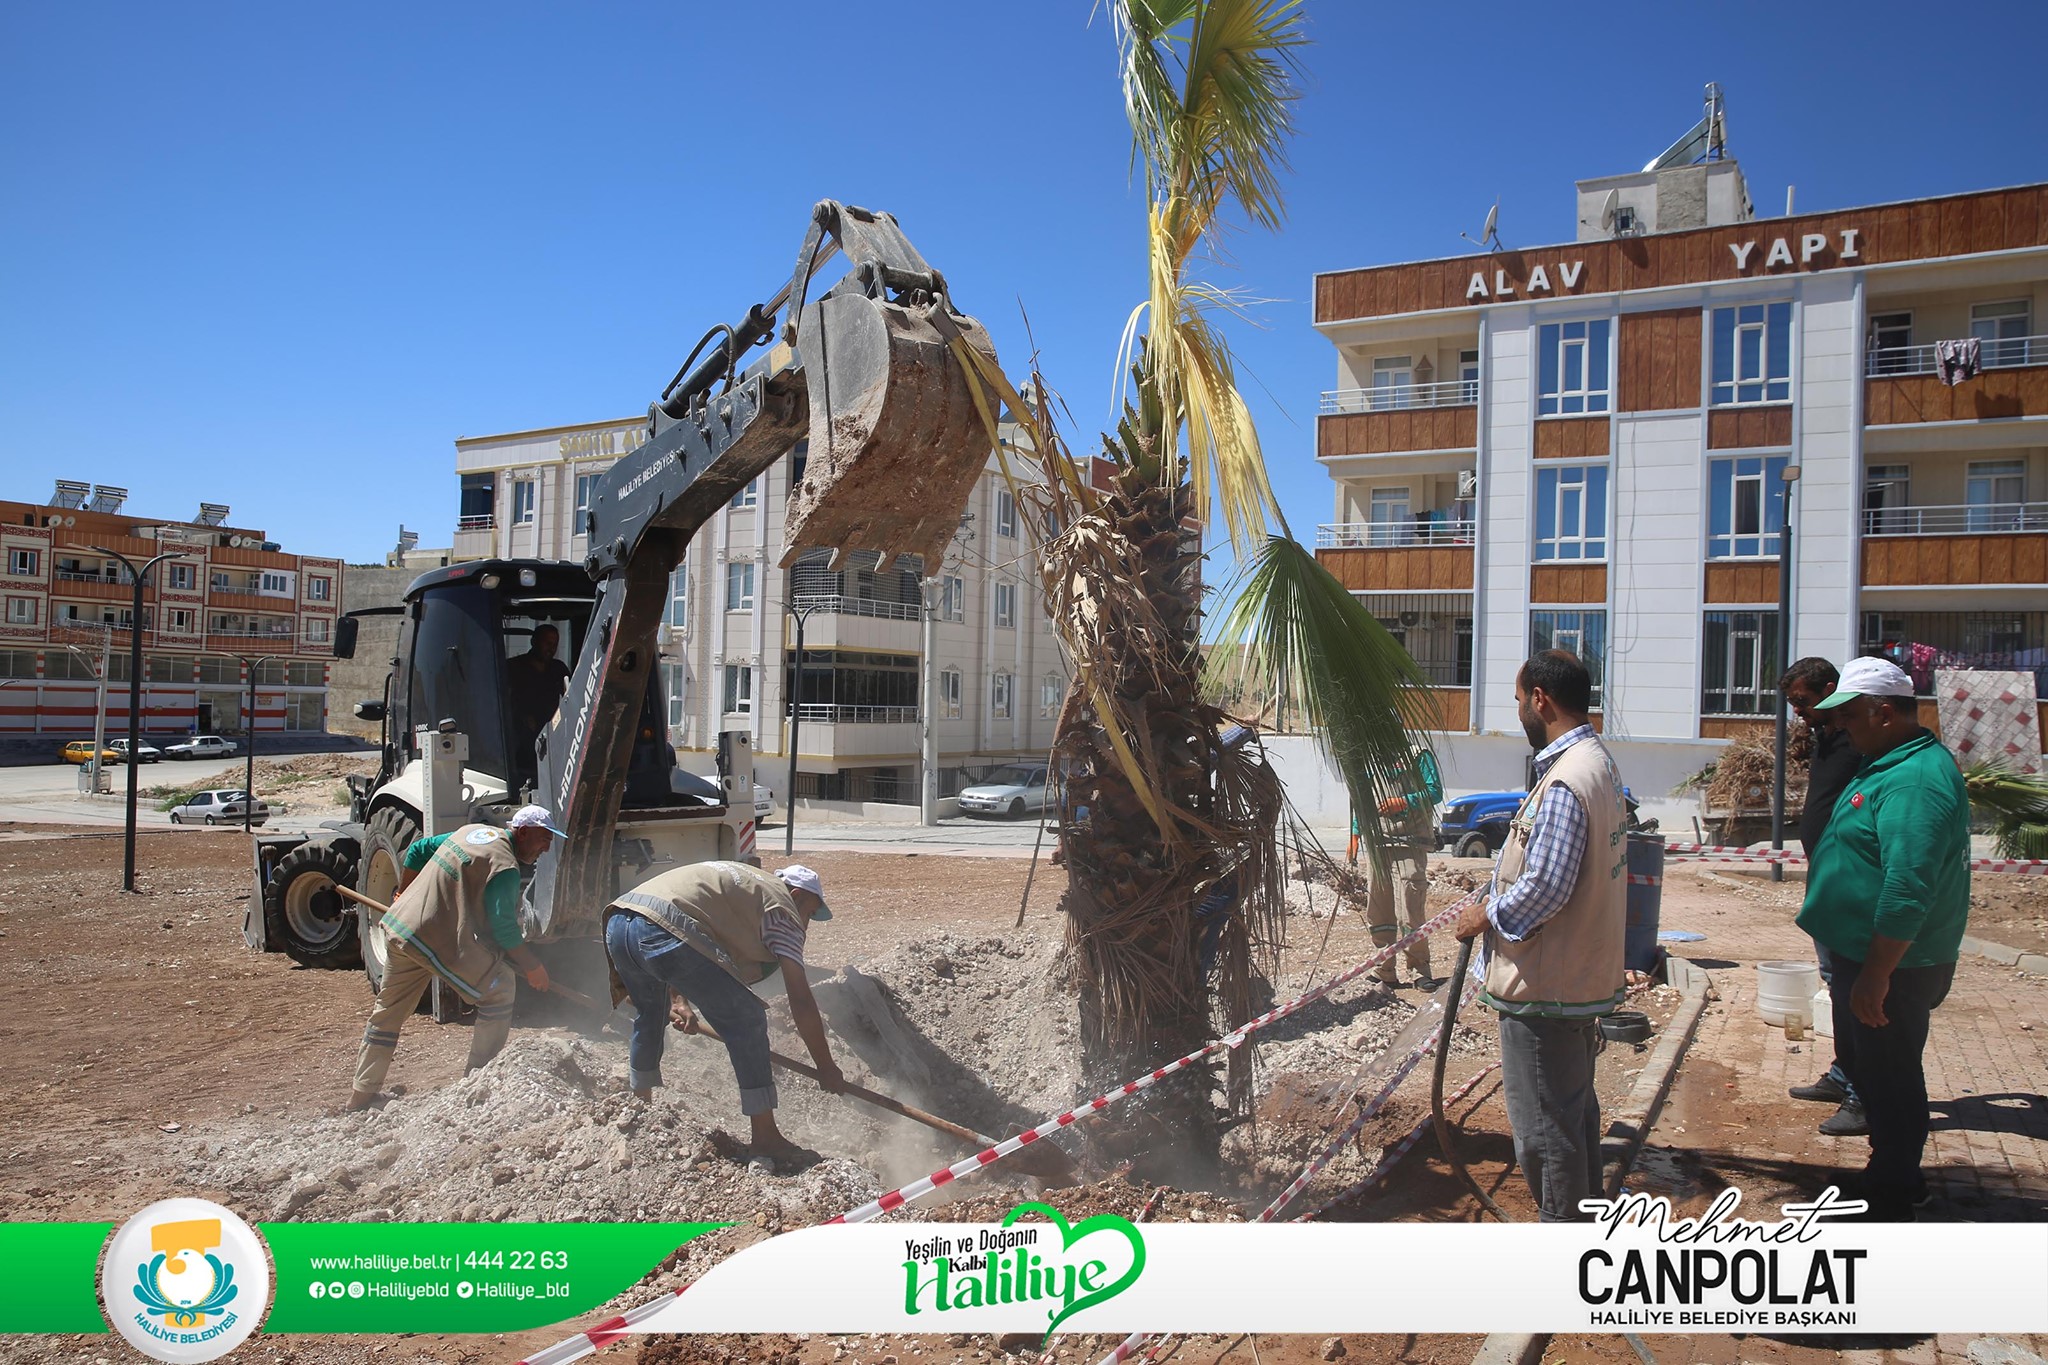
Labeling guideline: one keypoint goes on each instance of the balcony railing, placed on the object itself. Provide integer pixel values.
(858, 606)
(1972, 519)
(482, 521)
(80, 576)
(826, 713)
(2003, 354)
(1451, 393)
(1388, 535)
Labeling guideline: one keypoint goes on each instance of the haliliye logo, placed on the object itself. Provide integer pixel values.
(185, 1280)
(1020, 1265)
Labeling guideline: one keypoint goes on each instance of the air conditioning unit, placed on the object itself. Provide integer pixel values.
(1468, 483)
(1411, 619)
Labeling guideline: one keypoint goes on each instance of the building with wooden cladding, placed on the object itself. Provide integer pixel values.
(233, 599)
(1584, 444)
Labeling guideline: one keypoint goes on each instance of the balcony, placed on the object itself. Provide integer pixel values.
(1402, 417)
(829, 713)
(1423, 555)
(836, 733)
(859, 606)
(1981, 543)
(1903, 385)
(482, 521)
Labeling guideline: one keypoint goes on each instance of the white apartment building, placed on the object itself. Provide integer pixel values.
(729, 640)
(1587, 445)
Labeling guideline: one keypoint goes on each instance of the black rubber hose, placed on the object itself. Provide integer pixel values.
(1436, 1085)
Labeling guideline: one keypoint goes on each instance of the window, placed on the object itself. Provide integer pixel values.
(799, 461)
(17, 663)
(955, 606)
(182, 576)
(221, 582)
(1468, 376)
(999, 696)
(169, 668)
(739, 690)
(1740, 677)
(1753, 354)
(1393, 382)
(1885, 489)
(1006, 514)
(1584, 633)
(479, 493)
(586, 490)
(1996, 491)
(305, 673)
(1745, 506)
(675, 682)
(1572, 361)
(1006, 606)
(739, 587)
(21, 611)
(748, 496)
(319, 589)
(1052, 690)
(181, 621)
(1571, 512)
(1891, 334)
(218, 670)
(949, 693)
(1389, 517)
(26, 563)
(678, 613)
(2002, 327)
(275, 583)
(304, 711)
(316, 630)
(522, 502)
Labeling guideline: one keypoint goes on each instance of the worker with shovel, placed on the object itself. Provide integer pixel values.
(456, 917)
(696, 939)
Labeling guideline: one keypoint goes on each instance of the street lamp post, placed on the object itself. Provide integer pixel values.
(1790, 475)
(250, 664)
(796, 715)
(134, 698)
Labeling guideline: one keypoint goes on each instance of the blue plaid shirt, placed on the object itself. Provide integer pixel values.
(1557, 845)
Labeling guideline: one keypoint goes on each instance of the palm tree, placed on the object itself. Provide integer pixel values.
(1170, 819)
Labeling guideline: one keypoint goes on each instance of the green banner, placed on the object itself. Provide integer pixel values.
(49, 1277)
(453, 1277)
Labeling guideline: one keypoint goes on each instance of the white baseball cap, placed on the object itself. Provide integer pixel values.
(534, 817)
(1868, 678)
(800, 878)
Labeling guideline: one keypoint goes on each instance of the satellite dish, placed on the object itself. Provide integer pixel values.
(1610, 209)
(1489, 236)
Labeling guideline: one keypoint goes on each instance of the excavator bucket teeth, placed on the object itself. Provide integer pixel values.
(896, 442)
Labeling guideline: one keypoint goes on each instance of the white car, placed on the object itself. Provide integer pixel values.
(220, 806)
(145, 752)
(1011, 791)
(202, 746)
(764, 802)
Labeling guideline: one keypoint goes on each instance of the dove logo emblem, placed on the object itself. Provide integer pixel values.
(185, 1280)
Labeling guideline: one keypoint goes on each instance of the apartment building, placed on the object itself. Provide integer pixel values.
(1599, 445)
(729, 637)
(232, 600)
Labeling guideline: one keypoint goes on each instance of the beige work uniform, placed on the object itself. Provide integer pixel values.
(1403, 883)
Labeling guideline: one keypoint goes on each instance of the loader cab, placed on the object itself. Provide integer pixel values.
(466, 653)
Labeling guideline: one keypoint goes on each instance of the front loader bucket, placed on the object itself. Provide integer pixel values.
(889, 400)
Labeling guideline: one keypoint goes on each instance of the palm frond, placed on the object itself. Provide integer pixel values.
(2015, 805)
(1295, 633)
(1237, 107)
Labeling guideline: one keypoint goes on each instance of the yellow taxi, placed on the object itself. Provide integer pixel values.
(80, 751)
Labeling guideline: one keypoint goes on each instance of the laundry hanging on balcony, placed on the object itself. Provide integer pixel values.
(1955, 361)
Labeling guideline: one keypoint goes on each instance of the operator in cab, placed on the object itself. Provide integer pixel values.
(456, 917)
(536, 681)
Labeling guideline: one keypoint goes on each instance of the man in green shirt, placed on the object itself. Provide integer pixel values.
(1887, 898)
(1408, 821)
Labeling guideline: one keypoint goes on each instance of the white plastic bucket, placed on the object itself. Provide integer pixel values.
(1784, 992)
(1824, 1013)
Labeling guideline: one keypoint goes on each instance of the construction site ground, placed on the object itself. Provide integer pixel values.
(149, 1054)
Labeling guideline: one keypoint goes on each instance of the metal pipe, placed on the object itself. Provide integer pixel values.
(1791, 476)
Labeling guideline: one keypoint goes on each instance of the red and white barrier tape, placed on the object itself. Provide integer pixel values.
(2025, 867)
(988, 1156)
(1393, 1154)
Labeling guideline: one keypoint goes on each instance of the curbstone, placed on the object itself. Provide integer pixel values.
(2035, 964)
(1512, 1348)
(1996, 952)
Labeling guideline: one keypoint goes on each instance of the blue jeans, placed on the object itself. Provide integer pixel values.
(651, 962)
(1837, 1073)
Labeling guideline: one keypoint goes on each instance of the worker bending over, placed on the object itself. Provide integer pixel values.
(701, 936)
(456, 917)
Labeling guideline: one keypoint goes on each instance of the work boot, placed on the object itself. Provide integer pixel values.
(1826, 1090)
(1848, 1121)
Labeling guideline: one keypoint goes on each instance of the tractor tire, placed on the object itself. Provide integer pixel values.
(390, 832)
(1473, 846)
(304, 914)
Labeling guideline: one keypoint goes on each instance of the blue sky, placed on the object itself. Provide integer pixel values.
(281, 257)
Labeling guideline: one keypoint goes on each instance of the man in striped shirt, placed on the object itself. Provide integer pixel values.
(695, 940)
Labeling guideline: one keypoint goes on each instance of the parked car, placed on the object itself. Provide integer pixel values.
(220, 806)
(1476, 826)
(764, 802)
(145, 752)
(80, 751)
(1011, 791)
(201, 746)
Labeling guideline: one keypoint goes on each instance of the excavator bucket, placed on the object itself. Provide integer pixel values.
(896, 443)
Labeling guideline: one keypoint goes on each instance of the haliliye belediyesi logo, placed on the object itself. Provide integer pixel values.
(1024, 1264)
(185, 1280)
